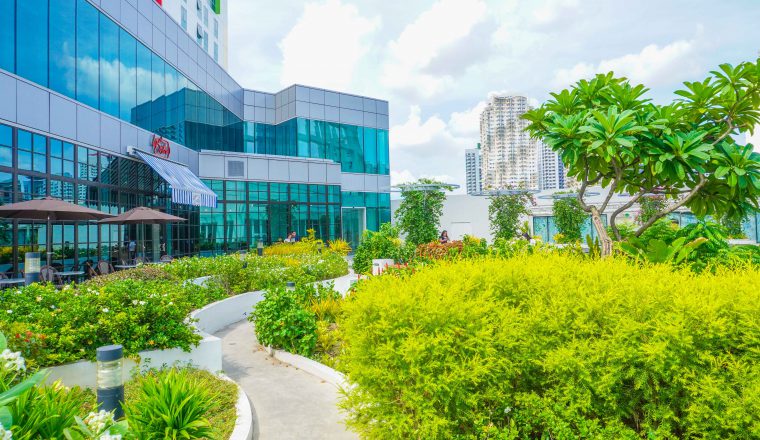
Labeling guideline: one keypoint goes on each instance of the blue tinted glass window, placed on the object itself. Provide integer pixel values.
(158, 90)
(87, 54)
(317, 139)
(63, 47)
(383, 161)
(303, 137)
(370, 150)
(109, 66)
(127, 75)
(141, 115)
(32, 40)
(8, 35)
(352, 149)
(6, 146)
(332, 141)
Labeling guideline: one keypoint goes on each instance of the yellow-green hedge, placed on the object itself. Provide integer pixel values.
(551, 346)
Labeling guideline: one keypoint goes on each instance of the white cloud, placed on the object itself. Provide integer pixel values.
(653, 65)
(550, 12)
(406, 176)
(415, 132)
(436, 29)
(467, 122)
(326, 44)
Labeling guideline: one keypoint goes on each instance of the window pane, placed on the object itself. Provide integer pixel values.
(56, 148)
(109, 66)
(8, 35)
(352, 149)
(24, 140)
(158, 107)
(32, 40)
(87, 54)
(6, 134)
(62, 47)
(303, 137)
(317, 139)
(370, 150)
(141, 116)
(332, 141)
(383, 162)
(127, 75)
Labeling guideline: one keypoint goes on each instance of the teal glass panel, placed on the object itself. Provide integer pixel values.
(370, 151)
(353, 199)
(319, 221)
(300, 220)
(158, 91)
(373, 219)
(258, 220)
(303, 137)
(332, 141)
(109, 66)
(279, 221)
(8, 35)
(299, 193)
(352, 151)
(333, 194)
(6, 146)
(317, 140)
(383, 160)
(63, 47)
(541, 228)
(385, 216)
(258, 191)
(141, 112)
(384, 200)
(32, 40)
(371, 200)
(278, 192)
(317, 194)
(127, 75)
(235, 190)
(87, 54)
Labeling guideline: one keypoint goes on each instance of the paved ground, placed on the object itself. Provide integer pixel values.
(288, 404)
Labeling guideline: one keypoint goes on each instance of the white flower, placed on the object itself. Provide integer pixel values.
(12, 361)
(99, 422)
(39, 298)
(5, 434)
(142, 303)
(104, 310)
(108, 436)
(9, 311)
(134, 302)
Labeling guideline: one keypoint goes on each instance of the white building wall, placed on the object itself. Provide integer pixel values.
(202, 23)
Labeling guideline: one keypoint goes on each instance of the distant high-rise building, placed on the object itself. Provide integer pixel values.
(205, 21)
(472, 166)
(508, 154)
(551, 172)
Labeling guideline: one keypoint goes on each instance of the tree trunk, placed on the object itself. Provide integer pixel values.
(604, 238)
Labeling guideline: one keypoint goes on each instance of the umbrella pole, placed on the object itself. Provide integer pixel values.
(49, 234)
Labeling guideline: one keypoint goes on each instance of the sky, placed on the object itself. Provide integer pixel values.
(438, 61)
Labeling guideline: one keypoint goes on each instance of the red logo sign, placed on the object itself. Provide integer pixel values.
(161, 146)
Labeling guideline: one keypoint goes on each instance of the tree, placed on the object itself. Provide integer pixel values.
(609, 134)
(420, 211)
(569, 217)
(504, 213)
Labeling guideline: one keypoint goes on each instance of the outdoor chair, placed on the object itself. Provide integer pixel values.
(104, 267)
(88, 270)
(49, 274)
(166, 259)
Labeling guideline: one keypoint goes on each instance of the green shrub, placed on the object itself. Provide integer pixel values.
(553, 346)
(569, 218)
(381, 245)
(170, 404)
(283, 320)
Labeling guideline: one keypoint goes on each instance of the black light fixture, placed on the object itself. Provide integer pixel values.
(110, 365)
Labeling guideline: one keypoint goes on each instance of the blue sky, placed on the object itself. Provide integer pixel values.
(438, 61)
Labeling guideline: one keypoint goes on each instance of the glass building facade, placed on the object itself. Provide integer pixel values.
(131, 64)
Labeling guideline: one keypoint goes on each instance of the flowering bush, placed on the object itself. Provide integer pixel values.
(436, 251)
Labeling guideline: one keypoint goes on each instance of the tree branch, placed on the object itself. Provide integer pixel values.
(628, 204)
(680, 203)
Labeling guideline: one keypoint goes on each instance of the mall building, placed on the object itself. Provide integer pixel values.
(112, 104)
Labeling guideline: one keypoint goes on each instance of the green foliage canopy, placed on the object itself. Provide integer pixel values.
(569, 217)
(504, 213)
(608, 133)
(420, 211)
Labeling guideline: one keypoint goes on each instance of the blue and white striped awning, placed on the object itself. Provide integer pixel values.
(187, 188)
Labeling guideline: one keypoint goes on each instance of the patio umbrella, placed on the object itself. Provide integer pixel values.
(50, 209)
(142, 216)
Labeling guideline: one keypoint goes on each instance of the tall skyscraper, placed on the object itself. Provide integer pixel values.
(551, 173)
(472, 167)
(508, 154)
(205, 21)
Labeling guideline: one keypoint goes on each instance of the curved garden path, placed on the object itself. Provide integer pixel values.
(288, 404)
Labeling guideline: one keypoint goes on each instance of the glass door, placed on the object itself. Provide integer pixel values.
(354, 223)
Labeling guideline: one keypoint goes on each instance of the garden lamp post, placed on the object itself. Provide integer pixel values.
(290, 285)
(31, 268)
(260, 248)
(110, 367)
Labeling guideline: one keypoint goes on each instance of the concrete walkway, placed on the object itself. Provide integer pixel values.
(288, 404)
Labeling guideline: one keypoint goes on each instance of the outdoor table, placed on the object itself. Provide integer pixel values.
(11, 281)
(125, 266)
(71, 274)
